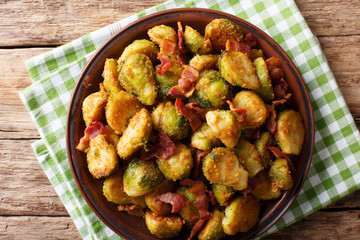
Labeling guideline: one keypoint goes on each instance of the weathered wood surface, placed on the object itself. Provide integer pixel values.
(29, 206)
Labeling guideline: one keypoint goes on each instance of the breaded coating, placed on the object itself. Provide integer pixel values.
(163, 226)
(159, 33)
(249, 157)
(143, 46)
(195, 42)
(265, 91)
(280, 175)
(111, 83)
(213, 228)
(204, 138)
(260, 186)
(153, 202)
(201, 62)
(93, 107)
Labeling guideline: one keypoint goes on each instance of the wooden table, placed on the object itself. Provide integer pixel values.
(29, 206)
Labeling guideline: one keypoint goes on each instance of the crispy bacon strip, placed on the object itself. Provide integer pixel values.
(199, 155)
(168, 47)
(165, 64)
(180, 33)
(249, 39)
(271, 120)
(211, 197)
(185, 86)
(200, 111)
(238, 47)
(181, 60)
(176, 200)
(276, 74)
(202, 200)
(198, 225)
(132, 210)
(279, 154)
(164, 147)
(240, 112)
(189, 114)
(91, 131)
(280, 89)
(272, 63)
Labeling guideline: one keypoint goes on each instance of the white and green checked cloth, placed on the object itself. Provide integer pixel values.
(335, 169)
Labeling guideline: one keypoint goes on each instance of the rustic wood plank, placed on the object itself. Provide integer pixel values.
(19, 228)
(40, 21)
(323, 225)
(24, 187)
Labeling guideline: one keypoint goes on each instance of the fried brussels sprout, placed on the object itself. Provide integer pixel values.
(102, 159)
(262, 144)
(93, 106)
(111, 83)
(249, 157)
(169, 78)
(163, 226)
(119, 109)
(110, 136)
(221, 30)
(256, 53)
(156, 115)
(280, 174)
(224, 126)
(260, 186)
(156, 206)
(256, 110)
(195, 42)
(113, 190)
(221, 166)
(213, 228)
(204, 138)
(222, 193)
(159, 33)
(136, 134)
(177, 166)
(265, 91)
(211, 90)
(290, 132)
(143, 46)
(141, 177)
(189, 213)
(238, 70)
(137, 77)
(241, 215)
(173, 124)
(201, 62)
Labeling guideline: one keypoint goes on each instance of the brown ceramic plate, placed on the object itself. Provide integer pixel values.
(132, 227)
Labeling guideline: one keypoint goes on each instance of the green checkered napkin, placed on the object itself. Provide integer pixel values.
(334, 172)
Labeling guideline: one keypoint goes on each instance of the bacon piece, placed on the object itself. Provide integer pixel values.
(200, 111)
(185, 86)
(180, 33)
(276, 74)
(280, 89)
(132, 210)
(165, 64)
(249, 39)
(279, 154)
(189, 114)
(211, 197)
(202, 200)
(240, 112)
(253, 134)
(91, 131)
(176, 200)
(168, 47)
(245, 192)
(198, 225)
(271, 120)
(164, 147)
(199, 155)
(190, 73)
(272, 63)
(238, 47)
(181, 60)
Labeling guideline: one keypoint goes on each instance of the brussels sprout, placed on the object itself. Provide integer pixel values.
(204, 138)
(102, 159)
(136, 134)
(260, 186)
(141, 177)
(93, 106)
(262, 144)
(140, 46)
(159, 33)
(221, 166)
(111, 83)
(156, 206)
(211, 90)
(238, 70)
(177, 166)
(119, 109)
(163, 226)
(201, 62)
(222, 193)
(195, 42)
(113, 190)
(110, 136)
(221, 30)
(256, 53)
(256, 110)
(225, 126)
(156, 115)
(213, 228)
(190, 212)
(280, 174)
(249, 157)
(137, 77)
(265, 91)
(169, 78)
(173, 124)
(290, 132)
(241, 215)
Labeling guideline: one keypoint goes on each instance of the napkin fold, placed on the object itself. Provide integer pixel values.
(335, 168)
